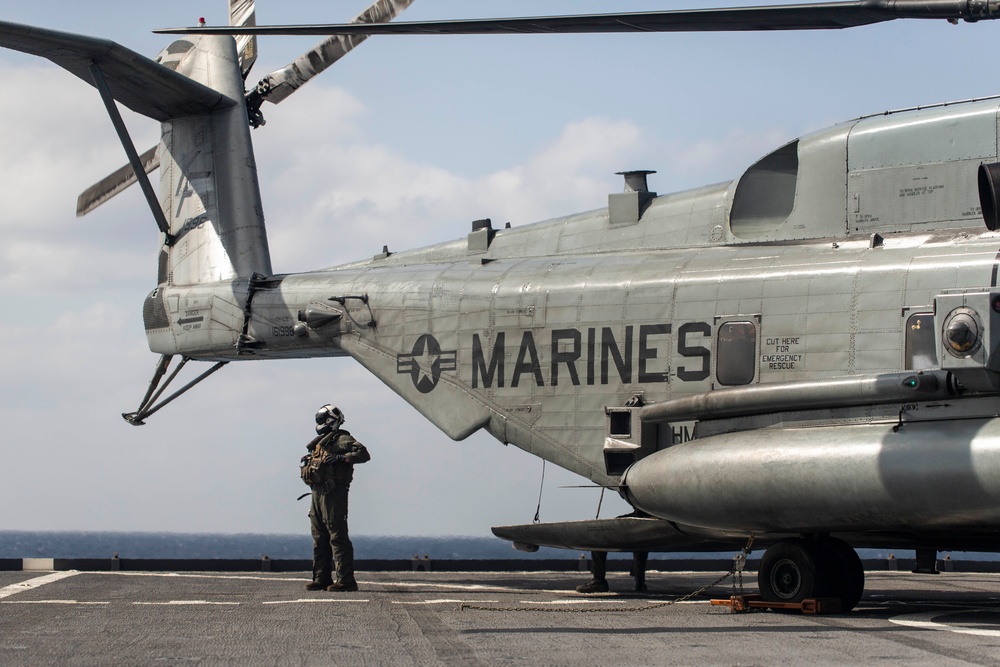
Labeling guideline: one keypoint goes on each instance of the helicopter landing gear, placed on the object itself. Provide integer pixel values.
(798, 569)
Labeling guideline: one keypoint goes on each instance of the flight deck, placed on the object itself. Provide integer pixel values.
(480, 618)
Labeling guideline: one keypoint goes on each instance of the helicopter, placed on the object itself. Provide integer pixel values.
(803, 355)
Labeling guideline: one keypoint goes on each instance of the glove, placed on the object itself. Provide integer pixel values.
(335, 459)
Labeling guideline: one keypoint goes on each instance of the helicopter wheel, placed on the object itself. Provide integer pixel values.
(796, 569)
(788, 572)
(843, 571)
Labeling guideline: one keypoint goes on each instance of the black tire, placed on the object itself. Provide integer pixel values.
(846, 573)
(787, 572)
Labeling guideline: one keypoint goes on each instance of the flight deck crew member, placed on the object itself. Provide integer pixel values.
(328, 469)
(599, 569)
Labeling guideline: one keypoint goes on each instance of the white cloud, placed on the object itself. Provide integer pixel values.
(56, 139)
(737, 150)
(347, 195)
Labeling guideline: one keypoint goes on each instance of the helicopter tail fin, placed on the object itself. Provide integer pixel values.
(212, 216)
(208, 177)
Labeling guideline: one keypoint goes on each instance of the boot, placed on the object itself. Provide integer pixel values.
(317, 585)
(343, 585)
(640, 585)
(594, 586)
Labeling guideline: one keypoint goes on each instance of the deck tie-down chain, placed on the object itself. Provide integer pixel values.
(736, 572)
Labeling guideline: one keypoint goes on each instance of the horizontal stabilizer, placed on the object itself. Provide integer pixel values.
(115, 183)
(620, 534)
(136, 81)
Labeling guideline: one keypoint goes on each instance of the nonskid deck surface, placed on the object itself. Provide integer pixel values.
(456, 618)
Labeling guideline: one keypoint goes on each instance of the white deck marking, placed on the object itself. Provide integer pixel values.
(415, 585)
(926, 621)
(446, 601)
(460, 587)
(652, 602)
(186, 602)
(51, 602)
(203, 576)
(312, 601)
(30, 584)
(589, 601)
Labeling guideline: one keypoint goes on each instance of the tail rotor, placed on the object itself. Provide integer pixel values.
(274, 87)
(280, 84)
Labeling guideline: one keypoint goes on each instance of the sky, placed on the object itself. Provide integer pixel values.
(402, 143)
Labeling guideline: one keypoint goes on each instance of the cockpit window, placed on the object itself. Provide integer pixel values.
(919, 351)
(736, 356)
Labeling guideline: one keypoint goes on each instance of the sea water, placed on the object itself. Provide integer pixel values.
(85, 544)
(32, 544)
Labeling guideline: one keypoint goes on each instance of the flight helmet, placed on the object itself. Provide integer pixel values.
(328, 418)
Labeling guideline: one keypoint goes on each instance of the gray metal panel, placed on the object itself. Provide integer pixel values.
(902, 198)
(918, 168)
(208, 180)
(820, 209)
(828, 478)
(924, 136)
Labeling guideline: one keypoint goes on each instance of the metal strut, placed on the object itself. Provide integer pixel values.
(155, 390)
(130, 151)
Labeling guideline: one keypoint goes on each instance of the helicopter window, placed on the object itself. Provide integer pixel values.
(920, 351)
(735, 361)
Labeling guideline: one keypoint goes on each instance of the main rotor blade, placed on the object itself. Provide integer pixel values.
(818, 16)
(278, 85)
(241, 14)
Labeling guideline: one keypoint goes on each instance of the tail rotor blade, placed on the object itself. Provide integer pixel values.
(278, 85)
(241, 13)
(114, 183)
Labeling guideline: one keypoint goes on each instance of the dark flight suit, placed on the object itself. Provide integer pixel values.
(599, 568)
(332, 458)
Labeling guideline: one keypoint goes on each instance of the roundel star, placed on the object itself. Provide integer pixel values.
(425, 363)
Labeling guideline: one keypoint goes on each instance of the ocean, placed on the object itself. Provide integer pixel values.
(32, 544)
(83, 544)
